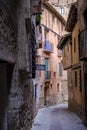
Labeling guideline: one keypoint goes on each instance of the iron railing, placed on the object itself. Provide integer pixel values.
(48, 47)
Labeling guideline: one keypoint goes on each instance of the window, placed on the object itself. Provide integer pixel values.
(74, 44)
(46, 35)
(58, 25)
(62, 10)
(85, 17)
(35, 92)
(46, 16)
(60, 69)
(51, 86)
(47, 74)
(59, 53)
(49, 20)
(79, 41)
(58, 87)
(53, 18)
(68, 48)
(75, 78)
(80, 81)
(41, 87)
(39, 73)
(39, 62)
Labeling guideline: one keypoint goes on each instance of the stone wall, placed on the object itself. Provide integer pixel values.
(58, 97)
(19, 106)
(41, 103)
(77, 109)
(51, 101)
(64, 90)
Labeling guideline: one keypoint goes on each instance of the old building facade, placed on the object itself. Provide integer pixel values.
(17, 49)
(51, 83)
(63, 6)
(82, 12)
(75, 42)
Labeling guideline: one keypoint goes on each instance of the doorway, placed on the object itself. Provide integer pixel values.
(35, 92)
(46, 95)
(86, 95)
(47, 68)
(85, 18)
(5, 84)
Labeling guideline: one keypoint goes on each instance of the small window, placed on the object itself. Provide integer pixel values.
(53, 18)
(39, 73)
(59, 53)
(51, 86)
(68, 48)
(58, 87)
(62, 10)
(75, 78)
(80, 81)
(60, 69)
(41, 87)
(79, 37)
(49, 20)
(35, 91)
(46, 35)
(74, 44)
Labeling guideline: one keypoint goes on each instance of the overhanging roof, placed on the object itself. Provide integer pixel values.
(63, 41)
(72, 17)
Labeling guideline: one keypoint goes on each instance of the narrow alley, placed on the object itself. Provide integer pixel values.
(43, 64)
(57, 117)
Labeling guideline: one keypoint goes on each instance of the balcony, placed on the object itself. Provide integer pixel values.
(47, 75)
(83, 45)
(48, 47)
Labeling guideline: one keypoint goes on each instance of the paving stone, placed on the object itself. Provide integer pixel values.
(57, 117)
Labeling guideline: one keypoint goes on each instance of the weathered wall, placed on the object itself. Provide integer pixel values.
(12, 45)
(75, 45)
(48, 88)
(67, 56)
(76, 79)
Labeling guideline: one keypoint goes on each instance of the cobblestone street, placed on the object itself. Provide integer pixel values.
(57, 117)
